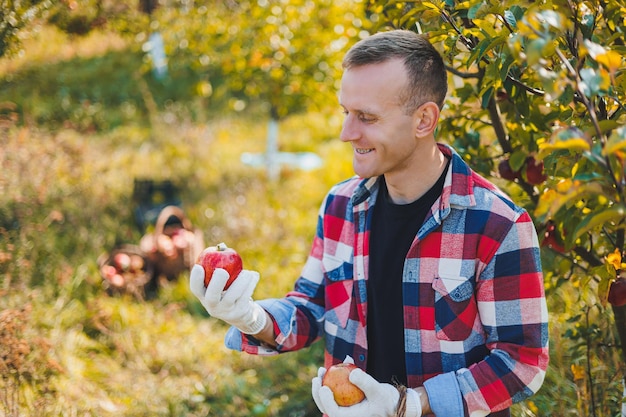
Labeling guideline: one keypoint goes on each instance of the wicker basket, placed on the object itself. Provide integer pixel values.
(126, 269)
(174, 245)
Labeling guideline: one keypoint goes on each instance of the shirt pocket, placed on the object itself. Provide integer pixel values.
(455, 307)
(338, 278)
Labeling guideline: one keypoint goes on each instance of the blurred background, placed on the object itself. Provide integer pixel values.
(111, 111)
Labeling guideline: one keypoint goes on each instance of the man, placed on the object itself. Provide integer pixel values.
(421, 271)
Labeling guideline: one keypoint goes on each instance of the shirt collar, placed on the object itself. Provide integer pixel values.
(457, 189)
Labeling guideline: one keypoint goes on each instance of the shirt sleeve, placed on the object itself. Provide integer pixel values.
(512, 307)
(298, 317)
(296, 326)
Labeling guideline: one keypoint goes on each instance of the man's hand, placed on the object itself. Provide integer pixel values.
(381, 400)
(235, 305)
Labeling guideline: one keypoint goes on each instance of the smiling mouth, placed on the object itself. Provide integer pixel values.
(363, 151)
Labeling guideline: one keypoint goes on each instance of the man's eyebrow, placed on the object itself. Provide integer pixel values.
(361, 111)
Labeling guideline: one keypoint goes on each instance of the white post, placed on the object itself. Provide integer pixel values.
(271, 153)
(272, 160)
(157, 54)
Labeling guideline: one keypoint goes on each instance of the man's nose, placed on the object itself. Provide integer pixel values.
(349, 130)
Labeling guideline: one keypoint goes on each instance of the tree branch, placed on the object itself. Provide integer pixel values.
(498, 126)
(526, 87)
(587, 256)
(466, 75)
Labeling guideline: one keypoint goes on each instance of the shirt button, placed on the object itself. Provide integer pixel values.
(361, 358)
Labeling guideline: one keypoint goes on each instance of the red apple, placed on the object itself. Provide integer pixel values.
(220, 256)
(121, 261)
(109, 271)
(166, 246)
(136, 263)
(179, 238)
(117, 280)
(344, 391)
(552, 239)
(617, 292)
(506, 172)
(534, 171)
(502, 95)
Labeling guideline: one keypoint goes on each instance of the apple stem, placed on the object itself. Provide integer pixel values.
(221, 247)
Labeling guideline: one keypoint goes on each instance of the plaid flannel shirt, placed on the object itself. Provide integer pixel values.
(475, 316)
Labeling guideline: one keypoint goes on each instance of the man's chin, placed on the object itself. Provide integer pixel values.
(364, 172)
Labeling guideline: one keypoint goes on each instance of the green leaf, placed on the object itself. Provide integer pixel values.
(517, 13)
(507, 61)
(593, 82)
(534, 51)
(517, 160)
(616, 143)
(472, 13)
(486, 97)
(596, 219)
(510, 18)
(567, 95)
(587, 21)
(605, 284)
(551, 18)
(605, 127)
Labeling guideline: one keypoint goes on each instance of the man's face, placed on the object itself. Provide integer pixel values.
(376, 124)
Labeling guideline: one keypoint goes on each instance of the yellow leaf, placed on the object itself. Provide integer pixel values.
(430, 5)
(615, 259)
(566, 193)
(611, 60)
(572, 144)
(616, 143)
(578, 372)
(565, 185)
(545, 202)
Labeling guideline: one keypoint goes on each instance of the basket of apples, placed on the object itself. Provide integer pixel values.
(174, 244)
(126, 270)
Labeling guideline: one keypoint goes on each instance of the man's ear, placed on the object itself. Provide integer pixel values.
(427, 118)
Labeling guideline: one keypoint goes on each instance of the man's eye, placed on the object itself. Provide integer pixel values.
(366, 119)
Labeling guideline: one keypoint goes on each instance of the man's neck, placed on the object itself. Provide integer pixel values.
(414, 182)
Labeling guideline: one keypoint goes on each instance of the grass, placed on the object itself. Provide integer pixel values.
(66, 199)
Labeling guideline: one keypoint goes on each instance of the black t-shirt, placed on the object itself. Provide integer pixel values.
(394, 227)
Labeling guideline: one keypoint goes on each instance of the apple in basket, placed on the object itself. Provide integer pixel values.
(121, 261)
(109, 271)
(136, 263)
(113, 276)
(181, 238)
(344, 391)
(220, 256)
(165, 245)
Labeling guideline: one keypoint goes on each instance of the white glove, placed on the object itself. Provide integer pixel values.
(381, 400)
(235, 305)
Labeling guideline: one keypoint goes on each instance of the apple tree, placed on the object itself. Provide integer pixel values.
(538, 103)
(14, 17)
(283, 54)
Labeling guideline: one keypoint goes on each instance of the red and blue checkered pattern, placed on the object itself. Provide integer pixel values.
(475, 317)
